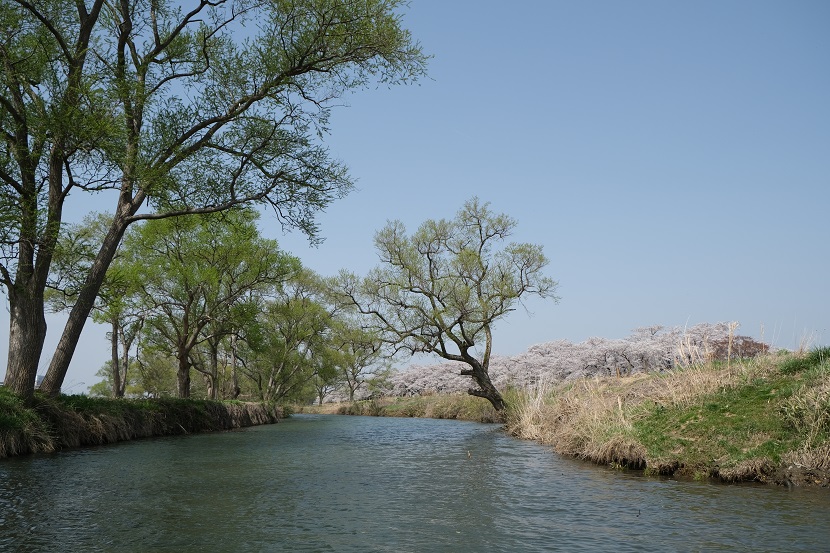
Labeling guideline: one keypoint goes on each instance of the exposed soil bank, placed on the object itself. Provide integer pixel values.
(51, 425)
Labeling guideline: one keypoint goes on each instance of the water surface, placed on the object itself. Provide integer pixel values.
(327, 483)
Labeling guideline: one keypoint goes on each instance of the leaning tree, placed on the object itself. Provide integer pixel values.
(441, 290)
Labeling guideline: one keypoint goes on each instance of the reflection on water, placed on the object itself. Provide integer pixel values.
(327, 483)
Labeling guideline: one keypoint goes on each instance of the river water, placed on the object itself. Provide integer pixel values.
(328, 483)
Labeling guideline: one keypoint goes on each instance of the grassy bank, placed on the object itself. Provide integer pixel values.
(461, 407)
(52, 424)
(766, 419)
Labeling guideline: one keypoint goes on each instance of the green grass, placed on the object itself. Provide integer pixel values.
(21, 428)
(722, 430)
(438, 406)
(814, 359)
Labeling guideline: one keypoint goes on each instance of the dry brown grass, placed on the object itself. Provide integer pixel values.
(809, 413)
(593, 419)
(584, 419)
(815, 457)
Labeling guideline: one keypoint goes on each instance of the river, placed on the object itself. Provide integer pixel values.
(320, 483)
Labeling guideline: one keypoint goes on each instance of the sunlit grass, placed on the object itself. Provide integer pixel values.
(438, 406)
(737, 421)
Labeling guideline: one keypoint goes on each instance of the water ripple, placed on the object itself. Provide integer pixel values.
(318, 483)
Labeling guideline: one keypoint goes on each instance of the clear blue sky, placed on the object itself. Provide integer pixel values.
(672, 157)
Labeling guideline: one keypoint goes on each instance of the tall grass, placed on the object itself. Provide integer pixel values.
(21, 429)
(733, 420)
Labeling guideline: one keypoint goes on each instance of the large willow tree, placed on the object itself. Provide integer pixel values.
(177, 112)
(442, 289)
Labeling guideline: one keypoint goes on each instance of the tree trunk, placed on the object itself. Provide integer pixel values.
(26, 344)
(236, 390)
(214, 369)
(486, 388)
(86, 299)
(116, 370)
(488, 392)
(183, 376)
(126, 343)
(27, 331)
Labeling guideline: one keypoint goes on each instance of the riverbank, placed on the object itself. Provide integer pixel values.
(54, 424)
(765, 419)
(438, 406)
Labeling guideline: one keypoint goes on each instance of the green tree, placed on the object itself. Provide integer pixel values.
(179, 112)
(51, 122)
(115, 305)
(295, 340)
(131, 383)
(155, 374)
(357, 351)
(442, 289)
(194, 271)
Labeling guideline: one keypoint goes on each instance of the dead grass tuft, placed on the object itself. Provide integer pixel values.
(758, 470)
(816, 457)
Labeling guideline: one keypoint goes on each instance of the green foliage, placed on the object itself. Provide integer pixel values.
(21, 428)
(200, 277)
(294, 326)
(155, 374)
(91, 99)
(14, 416)
(442, 289)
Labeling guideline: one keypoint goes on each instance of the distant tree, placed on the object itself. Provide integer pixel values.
(131, 387)
(442, 289)
(647, 349)
(194, 271)
(295, 327)
(357, 351)
(156, 373)
(221, 337)
(324, 385)
(379, 382)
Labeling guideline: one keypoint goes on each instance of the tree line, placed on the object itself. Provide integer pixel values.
(172, 110)
(201, 111)
(208, 296)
